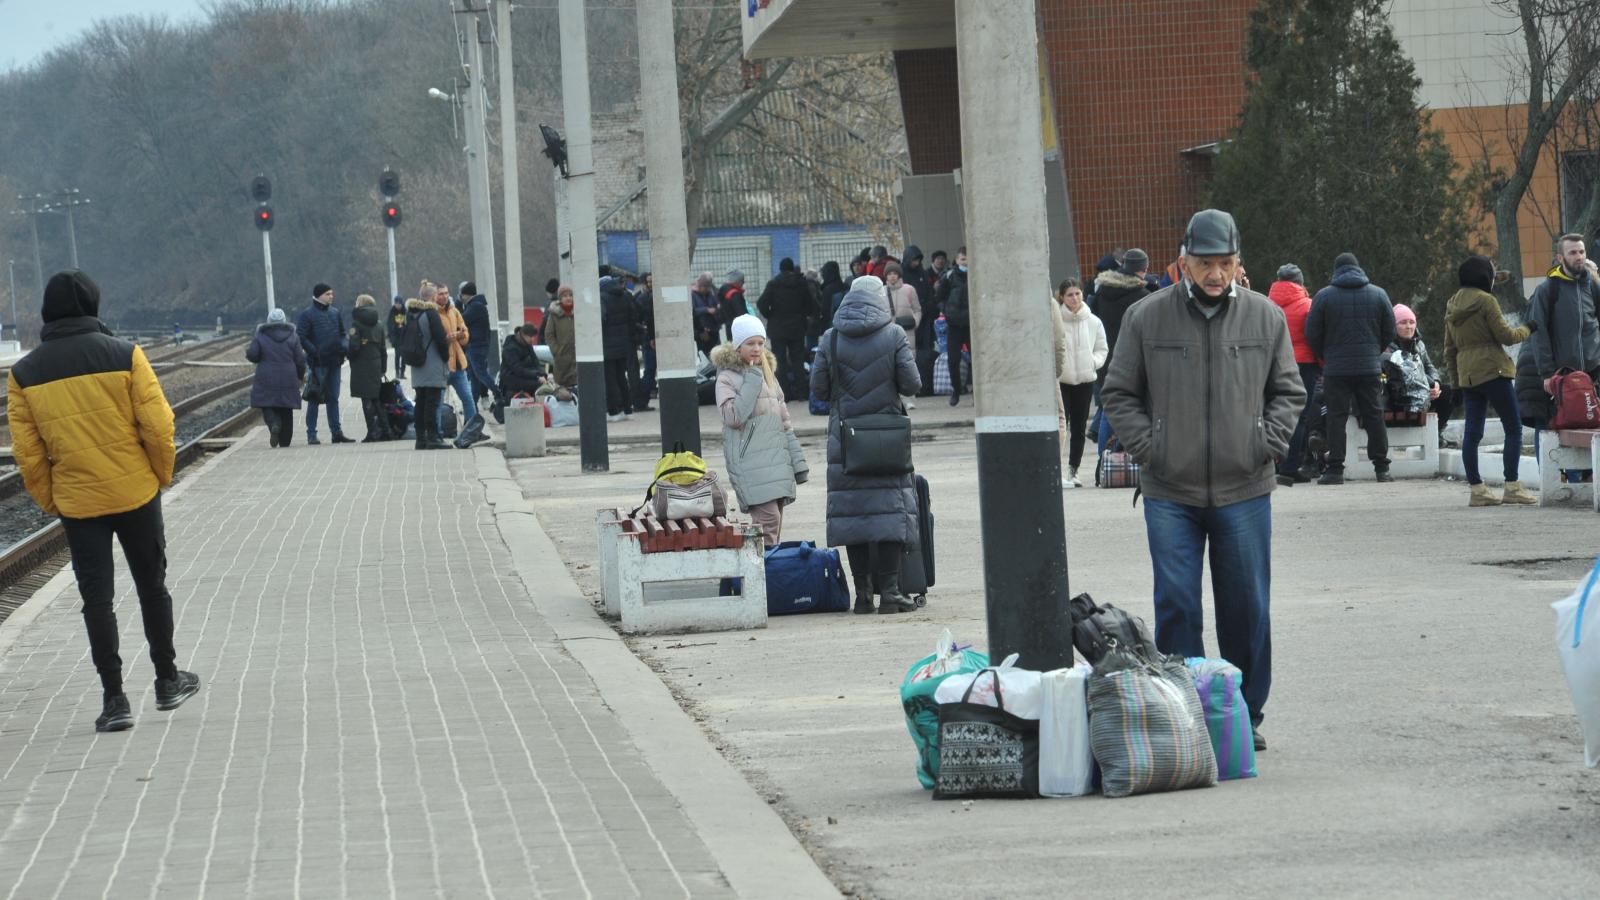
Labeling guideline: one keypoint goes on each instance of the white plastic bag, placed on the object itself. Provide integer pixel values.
(1066, 758)
(947, 657)
(1578, 644)
(1018, 687)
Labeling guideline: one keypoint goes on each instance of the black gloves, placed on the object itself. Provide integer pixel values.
(1532, 326)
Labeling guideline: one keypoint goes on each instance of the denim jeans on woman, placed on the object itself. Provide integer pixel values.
(1240, 539)
(1500, 394)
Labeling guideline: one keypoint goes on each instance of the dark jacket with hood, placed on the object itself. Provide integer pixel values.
(520, 371)
(1350, 324)
(953, 301)
(321, 330)
(875, 369)
(619, 325)
(1569, 334)
(90, 427)
(1114, 293)
(786, 303)
(832, 290)
(917, 277)
(369, 353)
(1205, 404)
(480, 331)
(280, 365)
(394, 322)
(730, 305)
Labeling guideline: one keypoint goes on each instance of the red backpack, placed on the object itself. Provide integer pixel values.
(1575, 404)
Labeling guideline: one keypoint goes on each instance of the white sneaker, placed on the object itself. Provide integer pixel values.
(613, 417)
(1073, 477)
(1067, 485)
(627, 417)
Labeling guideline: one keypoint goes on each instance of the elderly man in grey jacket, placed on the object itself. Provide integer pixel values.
(1204, 391)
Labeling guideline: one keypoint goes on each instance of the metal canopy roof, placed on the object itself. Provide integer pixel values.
(842, 27)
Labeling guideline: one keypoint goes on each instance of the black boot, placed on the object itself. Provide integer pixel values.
(863, 594)
(890, 600)
(372, 425)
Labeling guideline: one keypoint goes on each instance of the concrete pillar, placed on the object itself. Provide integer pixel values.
(1019, 452)
(585, 252)
(483, 273)
(510, 177)
(669, 235)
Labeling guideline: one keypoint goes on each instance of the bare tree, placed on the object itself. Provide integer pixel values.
(1562, 51)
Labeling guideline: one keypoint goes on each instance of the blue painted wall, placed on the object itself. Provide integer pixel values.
(621, 248)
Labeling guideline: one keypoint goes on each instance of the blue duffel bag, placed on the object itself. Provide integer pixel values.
(804, 579)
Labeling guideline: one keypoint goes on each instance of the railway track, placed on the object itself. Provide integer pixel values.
(26, 565)
(183, 355)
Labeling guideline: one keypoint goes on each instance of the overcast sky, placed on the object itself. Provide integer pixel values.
(34, 27)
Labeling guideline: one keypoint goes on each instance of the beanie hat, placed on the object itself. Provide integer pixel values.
(467, 290)
(276, 316)
(1477, 272)
(1403, 313)
(1106, 263)
(70, 294)
(1291, 272)
(1134, 262)
(1345, 259)
(551, 286)
(319, 290)
(746, 327)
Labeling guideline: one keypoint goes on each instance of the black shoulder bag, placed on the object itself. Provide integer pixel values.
(871, 445)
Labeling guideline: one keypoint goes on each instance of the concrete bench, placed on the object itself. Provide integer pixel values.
(664, 576)
(1413, 447)
(1561, 450)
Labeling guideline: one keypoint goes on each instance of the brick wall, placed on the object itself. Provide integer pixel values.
(929, 102)
(1134, 82)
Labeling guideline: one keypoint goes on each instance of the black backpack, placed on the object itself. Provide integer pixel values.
(1095, 628)
(413, 346)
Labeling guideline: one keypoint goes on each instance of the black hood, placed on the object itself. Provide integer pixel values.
(913, 254)
(70, 294)
(365, 315)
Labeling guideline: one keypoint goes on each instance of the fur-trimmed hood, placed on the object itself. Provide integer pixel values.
(415, 305)
(1113, 278)
(726, 356)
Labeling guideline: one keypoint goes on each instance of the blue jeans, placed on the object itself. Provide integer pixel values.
(331, 380)
(458, 380)
(1500, 394)
(1240, 536)
(478, 371)
(1310, 374)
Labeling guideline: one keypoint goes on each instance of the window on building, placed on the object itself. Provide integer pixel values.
(1579, 171)
(750, 254)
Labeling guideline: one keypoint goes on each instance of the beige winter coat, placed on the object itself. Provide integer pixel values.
(903, 302)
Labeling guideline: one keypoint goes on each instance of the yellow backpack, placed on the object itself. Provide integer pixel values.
(688, 488)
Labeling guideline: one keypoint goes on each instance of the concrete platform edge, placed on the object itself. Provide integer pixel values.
(18, 621)
(752, 846)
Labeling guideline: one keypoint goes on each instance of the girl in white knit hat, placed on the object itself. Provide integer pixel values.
(764, 460)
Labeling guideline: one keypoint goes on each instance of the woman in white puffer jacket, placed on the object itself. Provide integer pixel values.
(1081, 350)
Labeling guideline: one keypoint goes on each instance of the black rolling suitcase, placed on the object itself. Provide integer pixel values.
(916, 567)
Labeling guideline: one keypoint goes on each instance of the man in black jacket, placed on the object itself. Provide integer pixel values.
(957, 320)
(730, 302)
(644, 304)
(322, 335)
(619, 331)
(927, 350)
(1350, 324)
(786, 304)
(480, 332)
(393, 325)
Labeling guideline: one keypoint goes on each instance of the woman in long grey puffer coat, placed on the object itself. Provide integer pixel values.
(872, 517)
(429, 377)
(764, 459)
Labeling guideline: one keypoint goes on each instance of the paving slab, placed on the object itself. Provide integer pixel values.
(384, 712)
(1422, 739)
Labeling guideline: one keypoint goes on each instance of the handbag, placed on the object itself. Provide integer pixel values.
(1116, 469)
(313, 391)
(1575, 404)
(872, 445)
(985, 751)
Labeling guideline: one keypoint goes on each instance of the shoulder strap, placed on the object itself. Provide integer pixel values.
(833, 367)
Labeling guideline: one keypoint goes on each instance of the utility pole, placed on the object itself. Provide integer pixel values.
(473, 99)
(35, 207)
(67, 201)
(669, 230)
(511, 198)
(563, 231)
(16, 323)
(1022, 521)
(585, 252)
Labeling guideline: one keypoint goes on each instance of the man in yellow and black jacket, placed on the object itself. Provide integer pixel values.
(92, 433)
